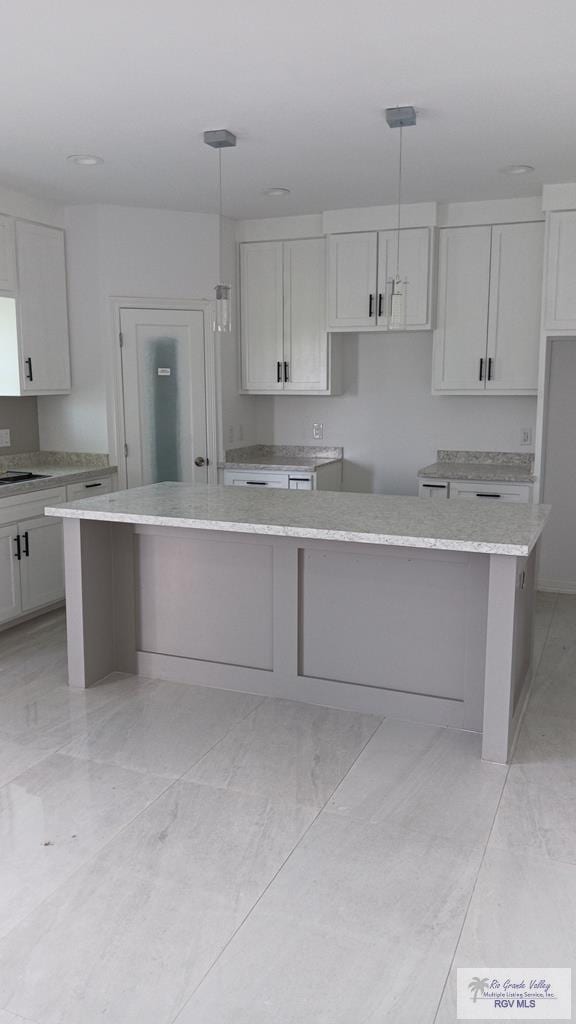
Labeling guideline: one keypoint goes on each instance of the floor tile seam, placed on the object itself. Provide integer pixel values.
(271, 881)
(93, 856)
(469, 903)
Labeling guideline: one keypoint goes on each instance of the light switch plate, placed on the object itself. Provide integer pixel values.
(318, 431)
(4, 438)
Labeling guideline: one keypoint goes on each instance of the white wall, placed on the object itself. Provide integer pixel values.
(557, 567)
(388, 422)
(125, 251)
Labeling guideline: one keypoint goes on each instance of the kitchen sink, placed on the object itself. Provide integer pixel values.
(16, 477)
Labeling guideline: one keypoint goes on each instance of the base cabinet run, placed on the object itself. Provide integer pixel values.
(485, 489)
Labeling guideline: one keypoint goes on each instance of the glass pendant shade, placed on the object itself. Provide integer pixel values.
(397, 317)
(222, 320)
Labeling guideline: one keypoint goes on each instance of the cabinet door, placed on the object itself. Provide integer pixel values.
(514, 315)
(352, 274)
(305, 335)
(414, 266)
(461, 332)
(7, 255)
(43, 329)
(42, 563)
(560, 293)
(10, 605)
(261, 306)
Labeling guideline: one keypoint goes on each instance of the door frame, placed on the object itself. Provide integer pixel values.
(212, 380)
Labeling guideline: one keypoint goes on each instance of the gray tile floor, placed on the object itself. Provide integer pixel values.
(177, 855)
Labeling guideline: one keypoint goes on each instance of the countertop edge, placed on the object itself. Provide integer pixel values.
(73, 474)
(310, 533)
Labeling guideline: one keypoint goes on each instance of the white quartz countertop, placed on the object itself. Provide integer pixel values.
(456, 525)
(53, 476)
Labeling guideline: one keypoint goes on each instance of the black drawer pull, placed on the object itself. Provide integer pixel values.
(371, 306)
(26, 545)
(278, 372)
(28, 364)
(435, 487)
(257, 483)
(380, 301)
(486, 494)
(490, 368)
(99, 484)
(481, 374)
(286, 377)
(18, 552)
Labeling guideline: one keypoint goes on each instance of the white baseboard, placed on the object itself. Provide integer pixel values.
(557, 586)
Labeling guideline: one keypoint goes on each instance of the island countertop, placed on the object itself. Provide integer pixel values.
(456, 525)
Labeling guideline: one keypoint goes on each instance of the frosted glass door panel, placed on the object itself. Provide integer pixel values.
(164, 395)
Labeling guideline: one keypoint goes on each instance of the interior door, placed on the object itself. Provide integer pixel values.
(164, 390)
(10, 605)
(41, 562)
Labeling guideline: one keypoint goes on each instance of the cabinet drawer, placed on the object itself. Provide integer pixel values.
(29, 506)
(433, 489)
(89, 488)
(490, 491)
(255, 479)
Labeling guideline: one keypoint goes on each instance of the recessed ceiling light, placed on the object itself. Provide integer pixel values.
(517, 169)
(273, 193)
(85, 159)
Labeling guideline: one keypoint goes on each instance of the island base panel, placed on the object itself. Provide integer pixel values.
(434, 636)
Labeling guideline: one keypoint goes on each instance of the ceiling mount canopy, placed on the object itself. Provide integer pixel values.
(221, 139)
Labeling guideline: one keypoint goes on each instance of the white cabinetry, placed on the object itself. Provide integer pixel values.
(34, 342)
(31, 555)
(488, 318)
(284, 342)
(41, 562)
(559, 288)
(361, 269)
(7, 255)
(487, 490)
(10, 602)
(90, 488)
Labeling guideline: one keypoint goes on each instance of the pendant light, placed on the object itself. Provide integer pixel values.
(399, 117)
(221, 139)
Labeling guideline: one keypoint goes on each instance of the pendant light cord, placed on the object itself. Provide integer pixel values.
(220, 225)
(399, 206)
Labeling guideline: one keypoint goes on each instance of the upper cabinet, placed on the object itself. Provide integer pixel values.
(488, 316)
(34, 342)
(284, 343)
(7, 255)
(361, 270)
(559, 290)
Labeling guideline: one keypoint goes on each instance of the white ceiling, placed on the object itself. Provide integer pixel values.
(303, 83)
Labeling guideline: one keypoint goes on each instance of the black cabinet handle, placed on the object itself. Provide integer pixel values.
(380, 303)
(99, 484)
(18, 552)
(371, 306)
(28, 364)
(490, 368)
(481, 374)
(279, 372)
(286, 377)
(485, 494)
(26, 545)
(436, 487)
(257, 483)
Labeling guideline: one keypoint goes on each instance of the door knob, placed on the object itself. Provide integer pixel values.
(200, 461)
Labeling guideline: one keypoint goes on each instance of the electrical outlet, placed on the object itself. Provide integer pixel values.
(526, 437)
(4, 438)
(318, 431)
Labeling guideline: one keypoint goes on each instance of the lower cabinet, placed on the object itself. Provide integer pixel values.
(10, 589)
(487, 490)
(41, 562)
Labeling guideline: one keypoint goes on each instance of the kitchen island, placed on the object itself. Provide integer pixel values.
(398, 606)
